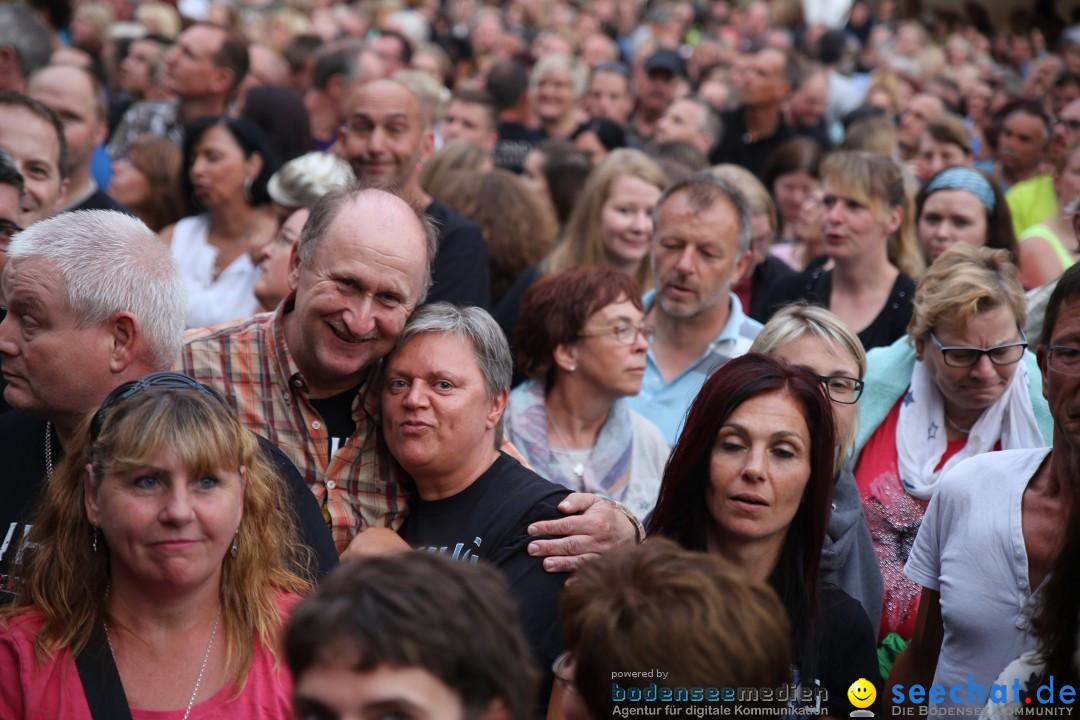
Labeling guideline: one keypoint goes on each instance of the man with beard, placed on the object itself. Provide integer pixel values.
(386, 138)
(701, 239)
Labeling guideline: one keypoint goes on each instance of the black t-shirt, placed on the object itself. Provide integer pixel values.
(22, 449)
(815, 287)
(845, 651)
(488, 521)
(737, 147)
(337, 415)
(461, 274)
(515, 142)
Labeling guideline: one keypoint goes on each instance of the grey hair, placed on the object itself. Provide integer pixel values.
(578, 71)
(112, 262)
(305, 179)
(23, 30)
(9, 173)
(468, 323)
(703, 190)
(326, 209)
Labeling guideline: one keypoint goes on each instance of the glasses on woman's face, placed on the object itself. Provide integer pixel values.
(843, 390)
(1064, 359)
(624, 333)
(961, 356)
(564, 674)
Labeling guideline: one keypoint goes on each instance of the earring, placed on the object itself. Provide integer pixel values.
(247, 190)
(572, 368)
(94, 535)
(232, 550)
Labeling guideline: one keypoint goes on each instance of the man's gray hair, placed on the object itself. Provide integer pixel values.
(23, 30)
(329, 205)
(468, 323)
(111, 262)
(703, 190)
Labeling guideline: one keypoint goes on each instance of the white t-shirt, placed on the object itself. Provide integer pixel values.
(970, 548)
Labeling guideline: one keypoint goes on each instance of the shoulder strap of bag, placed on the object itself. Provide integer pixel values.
(101, 680)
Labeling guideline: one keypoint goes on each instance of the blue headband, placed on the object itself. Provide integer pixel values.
(963, 178)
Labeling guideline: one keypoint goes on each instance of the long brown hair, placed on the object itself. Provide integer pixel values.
(159, 160)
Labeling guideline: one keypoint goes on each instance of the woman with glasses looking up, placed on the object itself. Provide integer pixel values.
(960, 384)
(582, 344)
(813, 337)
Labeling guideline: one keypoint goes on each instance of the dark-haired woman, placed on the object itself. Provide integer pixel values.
(227, 164)
(749, 480)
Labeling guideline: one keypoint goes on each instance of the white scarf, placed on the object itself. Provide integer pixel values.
(921, 438)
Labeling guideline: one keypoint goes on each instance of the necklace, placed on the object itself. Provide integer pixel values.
(956, 427)
(48, 451)
(202, 668)
(579, 468)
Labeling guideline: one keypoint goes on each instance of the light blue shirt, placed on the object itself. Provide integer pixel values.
(666, 403)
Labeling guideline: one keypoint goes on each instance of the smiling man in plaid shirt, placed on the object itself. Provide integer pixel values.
(307, 375)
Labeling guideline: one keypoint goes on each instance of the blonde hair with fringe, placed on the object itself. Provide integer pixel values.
(878, 182)
(66, 580)
(581, 244)
(794, 321)
(964, 281)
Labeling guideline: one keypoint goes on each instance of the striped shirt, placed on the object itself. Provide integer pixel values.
(247, 360)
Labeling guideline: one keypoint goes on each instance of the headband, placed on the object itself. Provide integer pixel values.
(964, 178)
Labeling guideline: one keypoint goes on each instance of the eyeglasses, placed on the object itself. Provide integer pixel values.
(8, 230)
(960, 356)
(168, 380)
(843, 390)
(624, 333)
(1072, 125)
(1064, 359)
(560, 668)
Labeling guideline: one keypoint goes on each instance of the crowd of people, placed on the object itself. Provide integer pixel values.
(519, 359)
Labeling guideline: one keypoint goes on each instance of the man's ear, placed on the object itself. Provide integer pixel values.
(124, 332)
(294, 267)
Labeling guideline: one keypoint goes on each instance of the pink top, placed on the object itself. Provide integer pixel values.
(54, 690)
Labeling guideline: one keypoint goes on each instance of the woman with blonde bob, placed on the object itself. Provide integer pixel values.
(162, 556)
(960, 384)
(813, 337)
(557, 82)
(611, 226)
(870, 236)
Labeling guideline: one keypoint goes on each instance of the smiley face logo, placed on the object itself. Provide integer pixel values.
(862, 693)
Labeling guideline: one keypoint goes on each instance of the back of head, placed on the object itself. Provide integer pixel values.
(455, 156)
(695, 615)
(519, 228)
(23, 31)
(565, 169)
(452, 619)
(280, 114)
(964, 281)
(111, 262)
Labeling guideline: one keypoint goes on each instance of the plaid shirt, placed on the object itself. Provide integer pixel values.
(248, 362)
